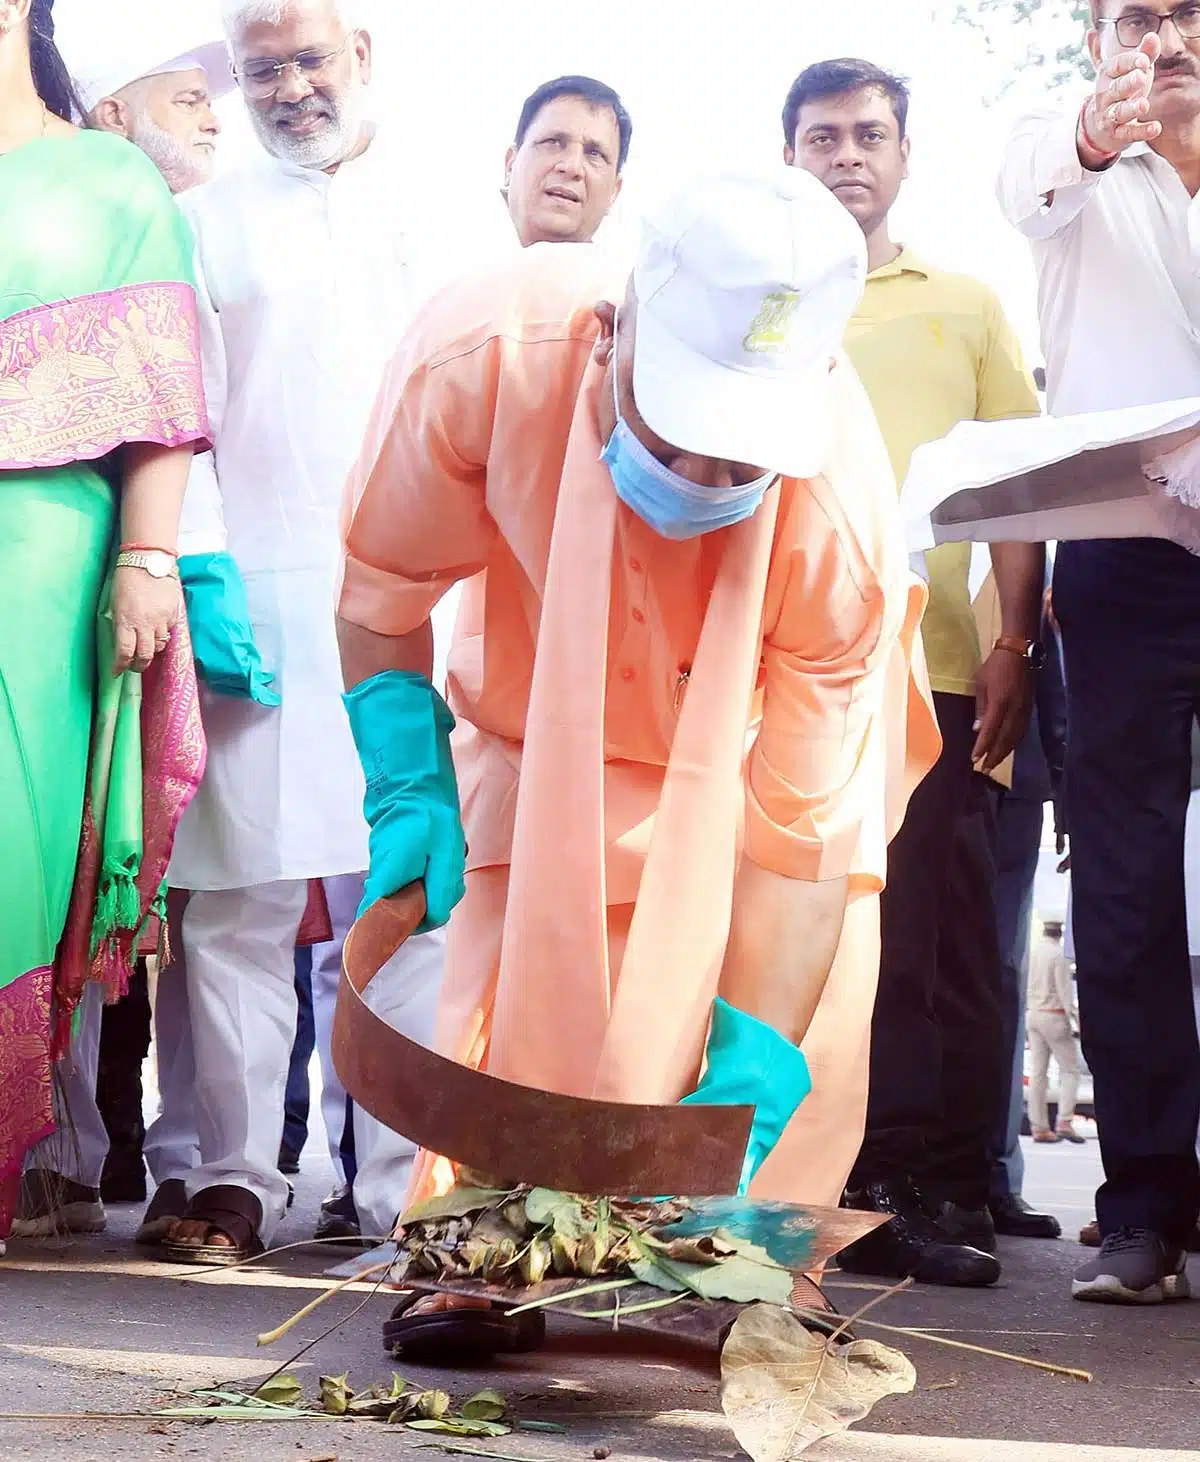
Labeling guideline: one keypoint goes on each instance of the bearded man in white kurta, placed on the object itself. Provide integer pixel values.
(306, 284)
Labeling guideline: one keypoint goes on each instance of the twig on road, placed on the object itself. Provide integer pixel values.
(269, 1337)
(1021, 1360)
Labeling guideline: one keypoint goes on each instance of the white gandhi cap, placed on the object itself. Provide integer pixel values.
(745, 286)
(106, 46)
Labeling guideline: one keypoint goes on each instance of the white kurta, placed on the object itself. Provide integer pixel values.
(307, 283)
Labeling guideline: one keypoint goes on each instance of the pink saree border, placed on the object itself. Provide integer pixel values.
(82, 377)
(173, 757)
(26, 1113)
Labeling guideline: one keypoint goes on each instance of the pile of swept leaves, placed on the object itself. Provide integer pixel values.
(282, 1398)
(520, 1237)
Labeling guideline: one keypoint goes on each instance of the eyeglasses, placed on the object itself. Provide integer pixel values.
(1133, 27)
(264, 78)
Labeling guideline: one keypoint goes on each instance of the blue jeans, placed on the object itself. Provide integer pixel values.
(1018, 842)
(296, 1095)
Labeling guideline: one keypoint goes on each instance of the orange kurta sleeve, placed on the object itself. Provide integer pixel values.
(415, 519)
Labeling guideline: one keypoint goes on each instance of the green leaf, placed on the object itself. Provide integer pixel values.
(432, 1405)
(486, 1405)
(458, 1203)
(281, 1391)
(561, 1211)
(739, 1279)
(336, 1394)
(460, 1426)
(648, 1272)
(753, 1252)
(554, 1427)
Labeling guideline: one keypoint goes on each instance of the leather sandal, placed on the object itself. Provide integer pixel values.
(820, 1315)
(226, 1209)
(460, 1337)
(170, 1202)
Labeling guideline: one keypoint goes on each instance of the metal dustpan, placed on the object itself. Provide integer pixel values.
(516, 1133)
(552, 1141)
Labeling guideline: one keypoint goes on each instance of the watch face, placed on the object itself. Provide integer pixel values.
(1037, 655)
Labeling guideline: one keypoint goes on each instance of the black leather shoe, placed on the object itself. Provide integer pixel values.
(912, 1245)
(971, 1226)
(1013, 1216)
(124, 1177)
(339, 1217)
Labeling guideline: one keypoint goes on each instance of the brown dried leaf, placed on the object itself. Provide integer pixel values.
(536, 1261)
(566, 1254)
(591, 1253)
(784, 1388)
(707, 1250)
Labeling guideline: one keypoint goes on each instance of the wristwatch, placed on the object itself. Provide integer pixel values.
(156, 561)
(1033, 652)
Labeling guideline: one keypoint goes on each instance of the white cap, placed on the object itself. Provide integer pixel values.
(107, 46)
(745, 286)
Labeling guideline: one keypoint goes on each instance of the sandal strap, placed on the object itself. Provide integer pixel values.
(234, 1211)
(169, 1201)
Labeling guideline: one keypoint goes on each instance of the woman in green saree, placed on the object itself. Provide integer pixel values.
(101, 408)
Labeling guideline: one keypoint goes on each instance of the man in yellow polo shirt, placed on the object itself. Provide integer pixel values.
(933, 349)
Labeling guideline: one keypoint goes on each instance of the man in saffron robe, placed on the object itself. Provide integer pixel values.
(681, 539)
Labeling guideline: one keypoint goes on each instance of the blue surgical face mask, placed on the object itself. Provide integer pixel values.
(674, 507)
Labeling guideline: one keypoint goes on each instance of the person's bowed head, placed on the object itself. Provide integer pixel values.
(719, 360)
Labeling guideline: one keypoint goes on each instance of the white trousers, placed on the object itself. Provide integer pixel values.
(172, 1146)
(239, 946)
(405, 994)
(78, 1147)
(1050, 1033)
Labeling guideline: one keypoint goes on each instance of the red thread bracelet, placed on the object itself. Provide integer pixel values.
(1087, 137)
(147, 548)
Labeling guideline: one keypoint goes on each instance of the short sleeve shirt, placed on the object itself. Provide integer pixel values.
(933, 349)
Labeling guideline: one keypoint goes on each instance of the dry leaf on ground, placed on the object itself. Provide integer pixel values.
(784, 1388)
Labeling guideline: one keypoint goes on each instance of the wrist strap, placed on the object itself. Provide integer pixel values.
(1108, 157)
(147, 548)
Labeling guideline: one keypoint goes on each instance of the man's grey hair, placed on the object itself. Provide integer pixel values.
(236, 15)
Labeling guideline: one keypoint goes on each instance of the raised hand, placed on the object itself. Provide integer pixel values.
(1118, 113)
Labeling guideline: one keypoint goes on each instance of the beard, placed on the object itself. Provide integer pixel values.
(183, 165)
(330, 144)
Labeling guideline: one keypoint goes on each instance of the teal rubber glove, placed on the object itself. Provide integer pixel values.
(227, 659)
(749, 1064)
(402, 730)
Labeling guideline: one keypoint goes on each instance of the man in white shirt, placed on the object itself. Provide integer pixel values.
(306, 262)
(1107, 196)
(563, 172)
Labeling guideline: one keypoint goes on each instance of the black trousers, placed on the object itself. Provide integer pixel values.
(124, 1045)
(1130, 616)
(936, 1036)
